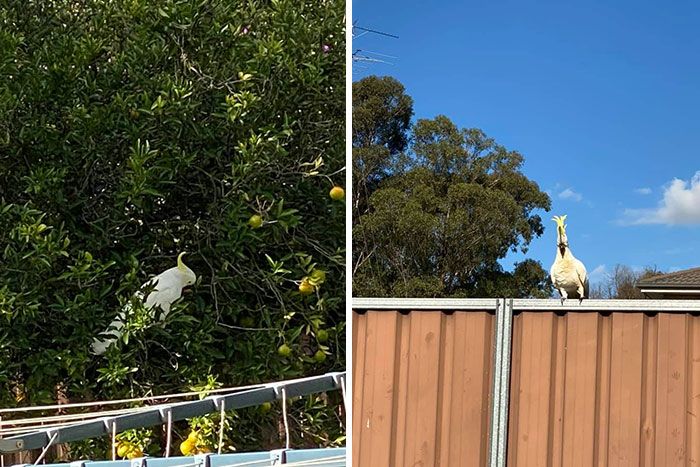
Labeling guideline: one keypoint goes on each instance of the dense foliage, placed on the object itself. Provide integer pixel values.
(133, 130)
(435, 207)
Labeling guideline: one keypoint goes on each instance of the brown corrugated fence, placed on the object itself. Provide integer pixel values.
(421, 388)
(609, 383)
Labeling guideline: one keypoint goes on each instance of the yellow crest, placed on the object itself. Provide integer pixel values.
(180, 265)
(560, 221)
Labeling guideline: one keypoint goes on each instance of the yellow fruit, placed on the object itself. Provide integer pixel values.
(284, 350)
(337, 193)
(134, 453)
(193, 436)
(320, 356)
(306, 288)
(255, 221)
(187, 446)
(123, 449)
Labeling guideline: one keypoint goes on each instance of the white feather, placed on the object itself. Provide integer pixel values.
(166, 289)
(569, 275)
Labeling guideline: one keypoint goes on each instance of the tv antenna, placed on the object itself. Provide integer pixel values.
(369, 56)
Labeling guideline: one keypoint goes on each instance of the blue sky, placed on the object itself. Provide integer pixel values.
(602, 100)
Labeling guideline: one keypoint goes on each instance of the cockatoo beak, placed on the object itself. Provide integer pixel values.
(180, 264)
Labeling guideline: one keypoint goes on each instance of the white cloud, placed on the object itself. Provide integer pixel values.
(570, 194)
(680, 205)
(643, 191)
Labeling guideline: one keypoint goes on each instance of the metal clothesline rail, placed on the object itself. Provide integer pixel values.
(159, 414)
(27, 425)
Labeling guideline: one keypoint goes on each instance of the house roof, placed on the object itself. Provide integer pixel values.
(688, 278)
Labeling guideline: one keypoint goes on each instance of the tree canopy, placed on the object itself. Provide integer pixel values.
(133, 130)
(432, 218)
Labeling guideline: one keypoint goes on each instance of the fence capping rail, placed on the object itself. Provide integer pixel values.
(427, 304)
(527, 304)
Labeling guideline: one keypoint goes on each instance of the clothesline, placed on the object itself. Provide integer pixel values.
(38, 431)
(127, 401)
(75, 416)
(40, 426)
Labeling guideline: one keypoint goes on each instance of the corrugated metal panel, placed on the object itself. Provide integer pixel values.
(422, 384)
(605, 387)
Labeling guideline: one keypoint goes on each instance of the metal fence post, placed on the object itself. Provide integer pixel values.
(498, 439)
(496, 386)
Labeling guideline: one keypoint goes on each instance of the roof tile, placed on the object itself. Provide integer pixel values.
(686, 277)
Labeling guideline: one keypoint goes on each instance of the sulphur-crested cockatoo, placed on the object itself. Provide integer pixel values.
(164, 288)
(568, 273)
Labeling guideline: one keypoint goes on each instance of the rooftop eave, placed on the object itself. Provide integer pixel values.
(642, 285)
(669, 290)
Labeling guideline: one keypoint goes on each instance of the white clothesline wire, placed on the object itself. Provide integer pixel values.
(284, 415)
(127, 401)
(42, 426)
(169, 435)
(46, 448)
(222, 420)
(73, 416)
(114, 440)
(160, 397)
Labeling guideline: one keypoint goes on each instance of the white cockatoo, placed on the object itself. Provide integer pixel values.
(164, 288)
(568, 273)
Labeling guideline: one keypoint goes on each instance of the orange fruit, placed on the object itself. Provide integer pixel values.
(187, 446)
(305, 288)
(134, 453)
(123, 449)
(337, 193)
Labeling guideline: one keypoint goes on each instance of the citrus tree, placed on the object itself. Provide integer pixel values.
(133, 130)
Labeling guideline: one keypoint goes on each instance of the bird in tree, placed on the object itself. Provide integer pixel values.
(568, 273)
(165, 289)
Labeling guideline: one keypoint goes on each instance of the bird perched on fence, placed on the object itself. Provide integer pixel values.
(568, 273)
(164, 288)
